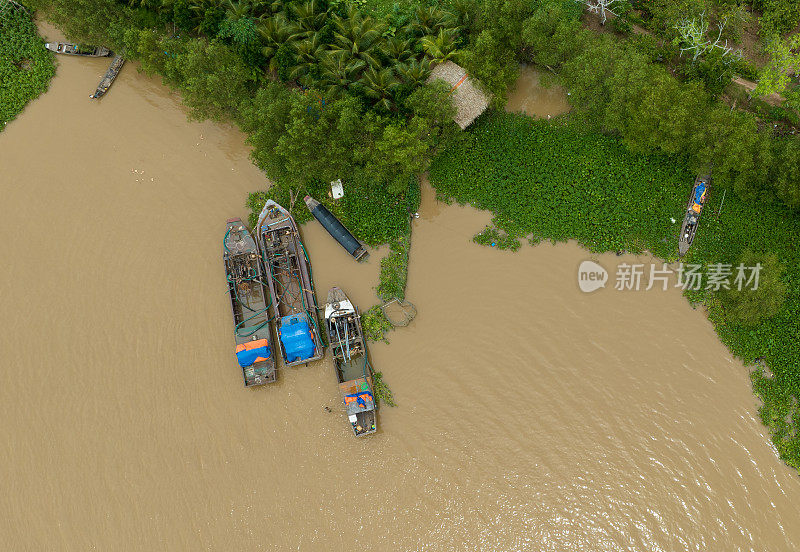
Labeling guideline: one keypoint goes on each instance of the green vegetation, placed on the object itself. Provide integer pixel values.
(394, 270)
(555, 180)
(375, 324)
(777, 75)
(747, 307)
(382, 392)
(26, 67)
(617, 87)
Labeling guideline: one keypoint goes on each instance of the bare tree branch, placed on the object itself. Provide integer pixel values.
(600, 7)
(694, 37)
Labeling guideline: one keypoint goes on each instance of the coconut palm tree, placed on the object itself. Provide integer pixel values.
(429, 20)
(440, 47)
(398, 50)
(357, 37)
(275, 32)
(338, 71)
(309, 52)
(310, 17)
(414, 73)
(378, 86)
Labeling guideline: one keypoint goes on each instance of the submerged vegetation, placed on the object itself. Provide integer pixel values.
(25, 66)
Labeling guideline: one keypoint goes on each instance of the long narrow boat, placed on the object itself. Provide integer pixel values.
(290, 285)
(70, 49)
(108, 78)
(350, 359)
(336, 229)
(249, 303)
(692, 218)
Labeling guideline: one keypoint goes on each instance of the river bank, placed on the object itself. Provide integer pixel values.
(531, 417)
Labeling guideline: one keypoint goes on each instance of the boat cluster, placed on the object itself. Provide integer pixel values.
(70, 49)
(272, 293)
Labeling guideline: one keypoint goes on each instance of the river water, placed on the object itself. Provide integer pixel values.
(531, 416)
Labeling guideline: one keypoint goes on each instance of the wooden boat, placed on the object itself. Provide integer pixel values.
(288, 274)
(70, 49)
(346, 340)
(108, 78)
(250, 304)
(695, 208)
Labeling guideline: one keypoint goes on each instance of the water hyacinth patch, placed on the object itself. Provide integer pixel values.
(26, 67)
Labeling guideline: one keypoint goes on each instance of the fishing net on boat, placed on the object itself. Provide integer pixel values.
(399, 312)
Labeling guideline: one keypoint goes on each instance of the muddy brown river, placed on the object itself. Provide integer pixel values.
(530, 416)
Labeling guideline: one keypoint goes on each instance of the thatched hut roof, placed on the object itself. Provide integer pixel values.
(468, 99)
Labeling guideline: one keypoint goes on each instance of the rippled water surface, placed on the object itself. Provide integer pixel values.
(531, 416)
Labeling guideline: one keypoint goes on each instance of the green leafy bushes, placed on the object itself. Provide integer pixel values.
(778, 16)
(557, 180)
(747, 307)
(26, 67)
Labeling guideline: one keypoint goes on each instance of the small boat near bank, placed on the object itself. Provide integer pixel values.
(288, 273)
(72, 49)
(250, 305)
(108, 78)
(336, 229)
(691, 220)
(346, 340)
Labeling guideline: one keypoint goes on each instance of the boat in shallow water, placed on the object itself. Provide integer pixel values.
(108, 78)
(288, 273)
(346, 340)
(250, 304)
(692, 218)
(70, 49)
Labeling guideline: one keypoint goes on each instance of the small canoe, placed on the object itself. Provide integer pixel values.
(250, 304)
(350, 360)
(288, 274)
(336, 229)
(70, 49)
(695, 208)
(108, 78)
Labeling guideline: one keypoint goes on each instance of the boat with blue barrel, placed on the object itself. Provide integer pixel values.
(291, 287)
(695, 208)
(250, 304)
(350, 359)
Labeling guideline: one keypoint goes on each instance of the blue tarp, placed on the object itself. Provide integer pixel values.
(699, 193)
(248, 357)
(296, 338)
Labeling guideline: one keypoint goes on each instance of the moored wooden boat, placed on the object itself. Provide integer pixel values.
(691, 220)
(71, 49)
(351, 362)
(108, 78)
(288, 273)
(250, 304)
